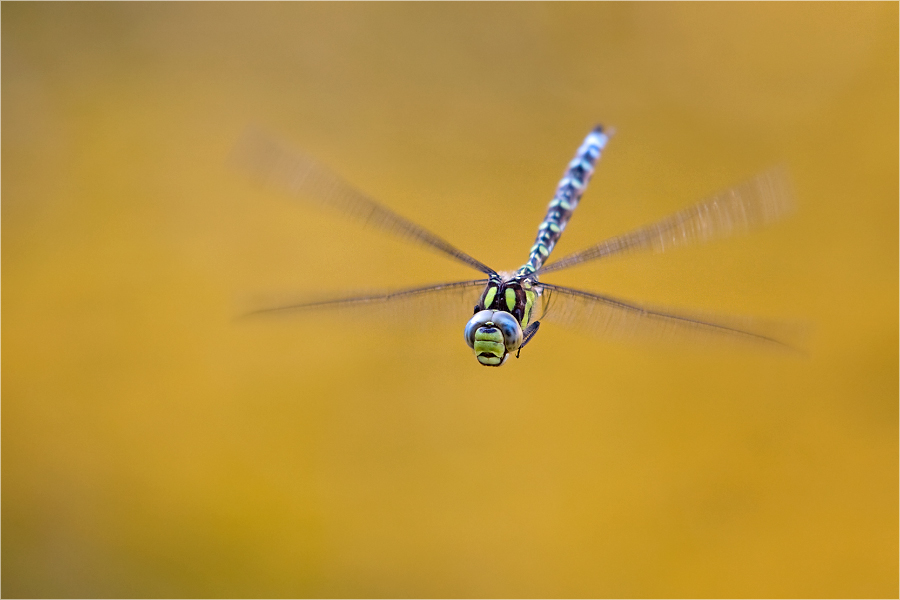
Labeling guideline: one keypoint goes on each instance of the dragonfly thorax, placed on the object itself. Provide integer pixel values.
(514, 295)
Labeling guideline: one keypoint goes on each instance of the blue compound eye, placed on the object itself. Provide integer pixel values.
(509, 327)
(474, 323)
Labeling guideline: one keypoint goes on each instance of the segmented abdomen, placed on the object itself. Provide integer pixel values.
(568, 193)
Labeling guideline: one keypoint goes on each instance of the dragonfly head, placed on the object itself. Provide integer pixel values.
(492, 335)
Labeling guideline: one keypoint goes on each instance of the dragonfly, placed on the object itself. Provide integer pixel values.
(512, 305)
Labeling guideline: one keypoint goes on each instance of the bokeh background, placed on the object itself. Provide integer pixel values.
(152, 446)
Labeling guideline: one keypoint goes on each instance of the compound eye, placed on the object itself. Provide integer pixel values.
(509, 327)
(474, 323)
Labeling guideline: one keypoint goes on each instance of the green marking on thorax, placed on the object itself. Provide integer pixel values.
(529, 304)
(510, 299)
(489, 297)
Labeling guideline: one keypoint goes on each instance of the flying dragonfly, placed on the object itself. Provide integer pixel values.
(512, 305)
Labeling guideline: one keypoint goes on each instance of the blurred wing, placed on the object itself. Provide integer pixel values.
(761, 200)
(274, 163)
(455, 300)
(605, 316)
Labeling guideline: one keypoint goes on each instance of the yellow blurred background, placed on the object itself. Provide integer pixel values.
(152, 446)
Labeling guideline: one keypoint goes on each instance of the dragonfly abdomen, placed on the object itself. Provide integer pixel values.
(568, 193)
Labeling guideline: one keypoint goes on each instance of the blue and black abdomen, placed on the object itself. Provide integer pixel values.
(568, 193)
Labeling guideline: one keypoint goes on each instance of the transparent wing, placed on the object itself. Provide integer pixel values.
(758, 201)
(605, 316)
(454, 300)
(276, 164)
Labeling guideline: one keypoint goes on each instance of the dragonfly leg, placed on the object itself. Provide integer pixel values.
(529, 333)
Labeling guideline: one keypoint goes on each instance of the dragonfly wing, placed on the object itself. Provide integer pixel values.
(280, 166)
(756, 202)
(605, 316)
(454, 300)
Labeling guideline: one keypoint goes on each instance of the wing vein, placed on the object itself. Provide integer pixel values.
(367, 299)
(607, 315)
(761, 200)
(277, 165)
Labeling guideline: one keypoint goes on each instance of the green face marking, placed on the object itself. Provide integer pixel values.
(491, 336)
(510, 299)
(489, 297)
(490, 361)
(493, 348)
(489, 348)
